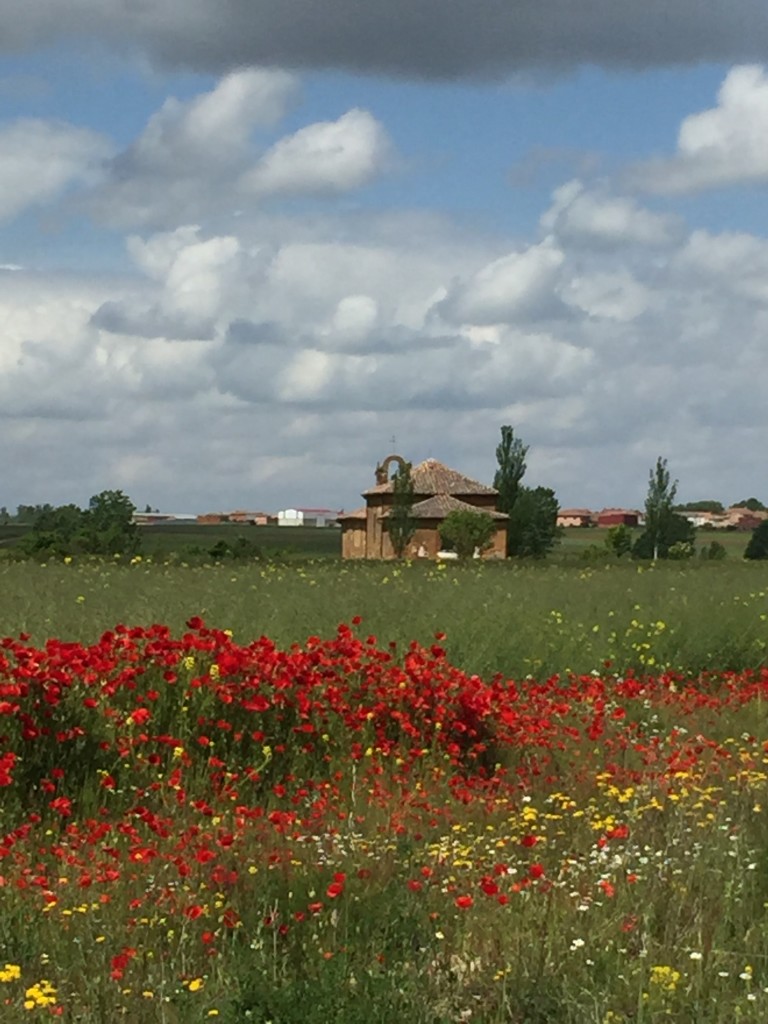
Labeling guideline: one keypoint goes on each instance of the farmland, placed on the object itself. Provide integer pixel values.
(320, 791)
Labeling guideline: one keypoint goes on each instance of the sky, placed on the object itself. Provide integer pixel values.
(248, 249)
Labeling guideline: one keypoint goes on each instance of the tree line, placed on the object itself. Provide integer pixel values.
(106, 527)
(532, 530)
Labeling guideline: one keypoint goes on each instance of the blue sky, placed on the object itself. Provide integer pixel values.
(241, 252)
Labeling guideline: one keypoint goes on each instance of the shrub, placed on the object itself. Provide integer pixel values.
(619, 540)
(713, 552)
(757, 548)
(467, 531)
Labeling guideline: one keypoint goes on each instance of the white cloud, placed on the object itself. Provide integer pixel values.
(187, 159)
(311, 340)
(726, 145)
(326, 158)
(518, 286)
(606, 221)
(612, 295)
(214, 127)
(735, 262)
(39, 159)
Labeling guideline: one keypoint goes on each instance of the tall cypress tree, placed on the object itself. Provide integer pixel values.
(510, 455)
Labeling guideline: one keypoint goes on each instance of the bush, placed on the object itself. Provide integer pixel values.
(676, 531)
(681, 550)
(241, 549)
(467, 531)
(713, 552)
(619, 540)
(757, 548)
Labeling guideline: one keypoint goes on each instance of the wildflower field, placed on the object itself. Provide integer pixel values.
(383, 793)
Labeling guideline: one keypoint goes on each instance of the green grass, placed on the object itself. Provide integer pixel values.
(290, 542)
(575, 540)
(513, 618)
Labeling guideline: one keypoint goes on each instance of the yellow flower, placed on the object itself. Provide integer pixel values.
(665, 978)
(11, 972)
(196, 984)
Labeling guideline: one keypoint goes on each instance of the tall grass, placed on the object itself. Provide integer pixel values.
(511, 618)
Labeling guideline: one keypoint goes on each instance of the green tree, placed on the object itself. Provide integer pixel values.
(467, 531)
(26, 514)
(532, 526)
(401, 525)
(510, 455)
(106, 527)
(619, 540)
(532, 530)
(55, 532)
(708, 505)
(677, 531)
(757, 547)
(109, 524)
(659, 513)
(752, 504)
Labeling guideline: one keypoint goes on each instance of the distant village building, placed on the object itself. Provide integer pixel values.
(319, 516)
(618, 517)
(438, 491)
(252, 518)
(162, 518)
(735, 518)
(575, 517)
(290, 517)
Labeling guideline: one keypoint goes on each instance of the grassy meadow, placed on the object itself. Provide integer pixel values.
(318, 791)
(517, 619)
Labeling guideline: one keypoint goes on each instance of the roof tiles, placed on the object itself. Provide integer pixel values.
(432, 477)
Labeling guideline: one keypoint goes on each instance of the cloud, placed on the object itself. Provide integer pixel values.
(717, 148)
(604, 221)
(188, 157)
(201, 158)
(521, 286)
(735, 262)
(40, 159)
(326, 158)
(214, 127)
(424, 40)
(612, 295)
(270, 363)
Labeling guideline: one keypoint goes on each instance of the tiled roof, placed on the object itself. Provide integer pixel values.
(439, 505)
(432, 477)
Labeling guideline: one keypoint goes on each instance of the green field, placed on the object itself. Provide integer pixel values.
(287, 542)
(290, 543)
(181, 538)
(506, 617)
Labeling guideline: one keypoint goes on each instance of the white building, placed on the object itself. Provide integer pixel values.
(290, 517)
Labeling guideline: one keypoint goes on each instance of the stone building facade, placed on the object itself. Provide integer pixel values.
(438, 490)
